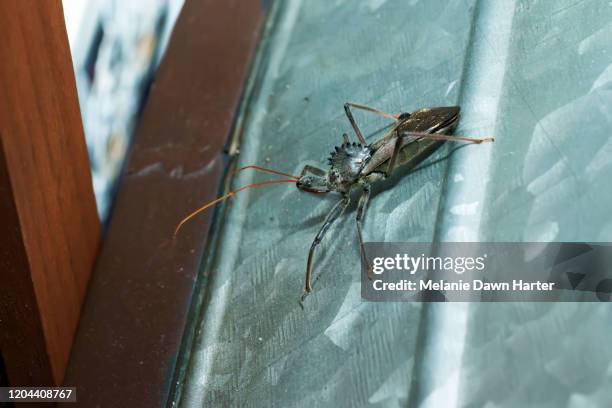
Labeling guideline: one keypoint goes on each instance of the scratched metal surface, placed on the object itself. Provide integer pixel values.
(548, 178)
(537, 75)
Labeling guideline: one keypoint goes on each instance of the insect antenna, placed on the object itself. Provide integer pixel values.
(226, 196)
(252, 166)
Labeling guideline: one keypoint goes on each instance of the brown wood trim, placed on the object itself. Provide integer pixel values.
(50, 226)
(134, 318)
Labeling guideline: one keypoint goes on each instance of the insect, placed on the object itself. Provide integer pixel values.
(358, 165)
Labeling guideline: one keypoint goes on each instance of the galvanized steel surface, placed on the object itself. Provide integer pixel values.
(537, 76)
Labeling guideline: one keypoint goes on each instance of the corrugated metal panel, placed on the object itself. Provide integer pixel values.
(534, 74)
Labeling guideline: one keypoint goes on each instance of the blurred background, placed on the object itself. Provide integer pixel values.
(116, 47)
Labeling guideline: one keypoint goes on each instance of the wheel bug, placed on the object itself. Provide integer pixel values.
(357, 165)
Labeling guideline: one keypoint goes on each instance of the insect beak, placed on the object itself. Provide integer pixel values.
(309, 190)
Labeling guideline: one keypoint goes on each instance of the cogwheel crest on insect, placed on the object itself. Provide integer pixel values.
(348, 159)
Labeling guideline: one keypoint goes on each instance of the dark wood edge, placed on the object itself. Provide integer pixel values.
(137, 308)
(252, 87)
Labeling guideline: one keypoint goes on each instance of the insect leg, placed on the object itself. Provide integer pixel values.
(349, 115)
(438, 136)
(397, 144)
(332, 216)
(422, 135)
(351, 119)
(394, 116)
(312, 170)
(361, 208)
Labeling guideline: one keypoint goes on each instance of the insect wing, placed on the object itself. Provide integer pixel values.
(430, 120)
(427, 120)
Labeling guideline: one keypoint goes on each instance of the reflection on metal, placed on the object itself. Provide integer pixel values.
(115, 56)
(481, 92)
(548, 181)
(537, 76)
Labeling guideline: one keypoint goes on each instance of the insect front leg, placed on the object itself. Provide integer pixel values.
(312, 170)
(332, 216)
(361, 209)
